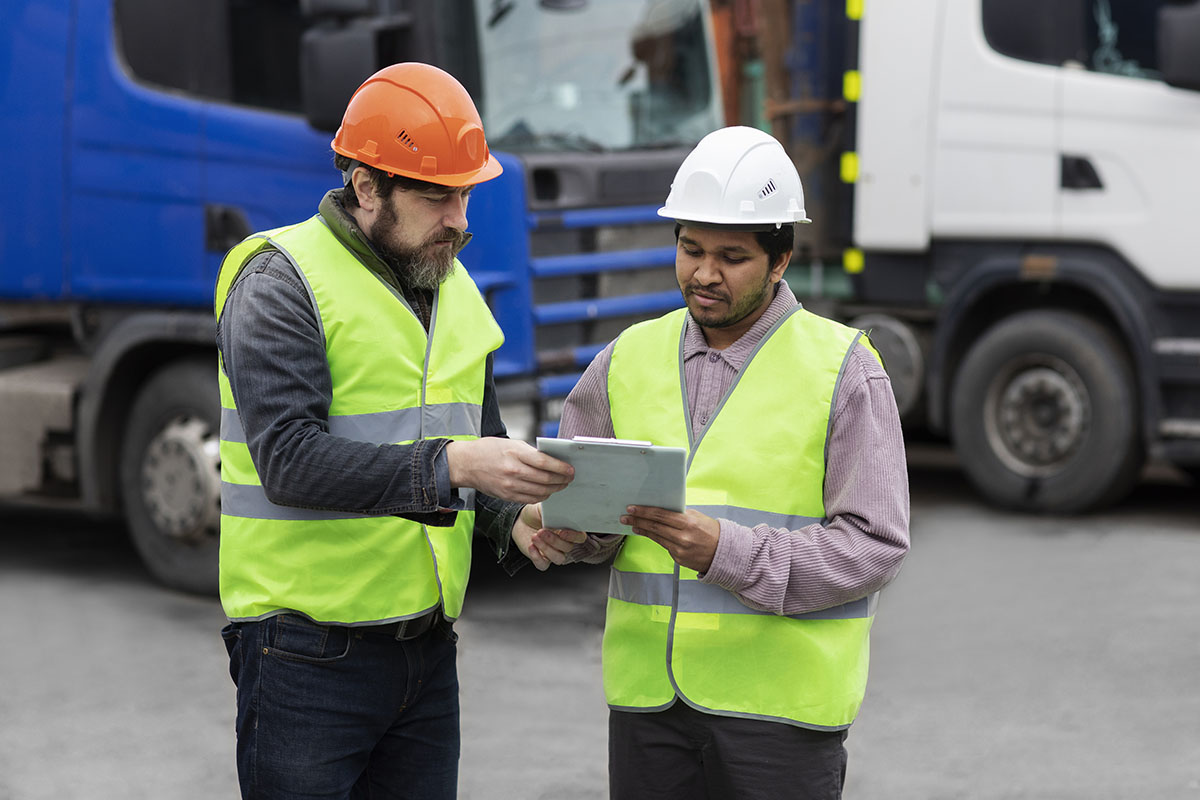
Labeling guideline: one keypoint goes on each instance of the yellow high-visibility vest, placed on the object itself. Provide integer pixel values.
(392, 384)
(761, 459)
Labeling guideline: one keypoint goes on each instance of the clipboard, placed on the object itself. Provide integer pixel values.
(611, 474)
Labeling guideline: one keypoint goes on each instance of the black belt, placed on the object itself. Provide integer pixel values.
(405, 629)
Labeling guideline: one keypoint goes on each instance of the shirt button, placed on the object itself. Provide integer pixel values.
(714, 357)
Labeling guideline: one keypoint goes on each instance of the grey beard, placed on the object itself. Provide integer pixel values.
(427, 273)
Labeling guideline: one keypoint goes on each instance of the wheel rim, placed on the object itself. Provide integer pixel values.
(181, 480)
(1037, 415)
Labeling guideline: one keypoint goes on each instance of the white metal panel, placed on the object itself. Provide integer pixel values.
(995, 160)
(1143, 138)
(897, 50)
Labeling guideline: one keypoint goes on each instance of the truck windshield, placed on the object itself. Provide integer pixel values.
(600, 75)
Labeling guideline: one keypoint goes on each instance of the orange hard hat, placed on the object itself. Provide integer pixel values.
(416, 120)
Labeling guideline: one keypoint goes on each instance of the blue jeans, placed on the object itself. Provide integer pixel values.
(336, 712)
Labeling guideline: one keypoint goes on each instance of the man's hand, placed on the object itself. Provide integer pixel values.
(507, 469)
(690, 537)
(543, 546)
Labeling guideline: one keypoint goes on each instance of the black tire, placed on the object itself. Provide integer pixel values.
(170, 474)
(1044, 414)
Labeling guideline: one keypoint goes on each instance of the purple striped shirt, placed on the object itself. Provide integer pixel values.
(864, 538)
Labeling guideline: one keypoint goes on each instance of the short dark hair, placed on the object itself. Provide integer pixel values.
(383, 183)
(774, 241)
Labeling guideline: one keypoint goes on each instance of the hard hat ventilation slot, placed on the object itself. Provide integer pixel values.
(406, 140)
(767, 190)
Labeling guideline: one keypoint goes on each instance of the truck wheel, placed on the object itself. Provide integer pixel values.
(170, 475)
(1044, 414)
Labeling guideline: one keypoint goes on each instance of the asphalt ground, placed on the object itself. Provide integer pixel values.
(1014, 657)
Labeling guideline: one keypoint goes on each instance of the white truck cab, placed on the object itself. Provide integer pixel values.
(1026, 233)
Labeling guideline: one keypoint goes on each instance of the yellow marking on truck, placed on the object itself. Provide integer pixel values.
(849, 167)
(852, 85)
(853, 260)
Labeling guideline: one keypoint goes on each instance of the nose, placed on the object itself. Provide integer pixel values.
(455, 212)
(707, 272)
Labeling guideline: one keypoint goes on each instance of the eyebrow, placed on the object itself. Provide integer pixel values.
(737, 248)
(446, 191)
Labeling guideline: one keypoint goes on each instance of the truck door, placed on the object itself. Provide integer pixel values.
(265, 166)
(1131, 146)
(135, 209)
(995, 166)
(182, 107)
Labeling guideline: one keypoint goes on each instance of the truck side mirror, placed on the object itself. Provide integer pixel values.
(336, 57)
(1179, 44)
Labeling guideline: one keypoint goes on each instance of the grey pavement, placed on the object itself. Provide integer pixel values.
(1015, 657)
(1032, 657)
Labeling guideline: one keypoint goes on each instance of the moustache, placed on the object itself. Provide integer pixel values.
(452, 235)
(693, 288)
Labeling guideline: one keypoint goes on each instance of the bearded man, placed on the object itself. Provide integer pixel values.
(361, 448)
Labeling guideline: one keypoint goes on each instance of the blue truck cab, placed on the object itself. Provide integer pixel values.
(146, 137)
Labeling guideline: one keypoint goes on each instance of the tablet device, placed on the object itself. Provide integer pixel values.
(611, 474)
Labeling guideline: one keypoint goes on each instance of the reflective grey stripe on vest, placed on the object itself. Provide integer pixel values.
(245, 500)
(751, 517)
(657, 589)
(386, 427)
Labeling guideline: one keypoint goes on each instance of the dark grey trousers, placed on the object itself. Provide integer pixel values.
(685, 754)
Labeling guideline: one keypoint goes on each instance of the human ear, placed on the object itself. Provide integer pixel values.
(780, 266)
(364, 190)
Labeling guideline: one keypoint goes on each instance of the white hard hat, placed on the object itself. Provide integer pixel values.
(737, 176)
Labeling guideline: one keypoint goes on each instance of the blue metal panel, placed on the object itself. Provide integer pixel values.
(584, 354)
(595, 217)
(499, 254)
(595, 263)
(34, 57)
(606, 307)
(491, 280)
(584, 263)
(558, 385)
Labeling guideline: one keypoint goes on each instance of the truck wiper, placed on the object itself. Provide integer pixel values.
(500, 9)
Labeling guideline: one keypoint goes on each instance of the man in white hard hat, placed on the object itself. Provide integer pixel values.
(735, 646)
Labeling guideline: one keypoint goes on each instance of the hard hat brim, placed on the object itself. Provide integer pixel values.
(491, 169)
(734, 224)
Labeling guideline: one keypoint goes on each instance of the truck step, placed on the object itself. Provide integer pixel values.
(34, 400)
